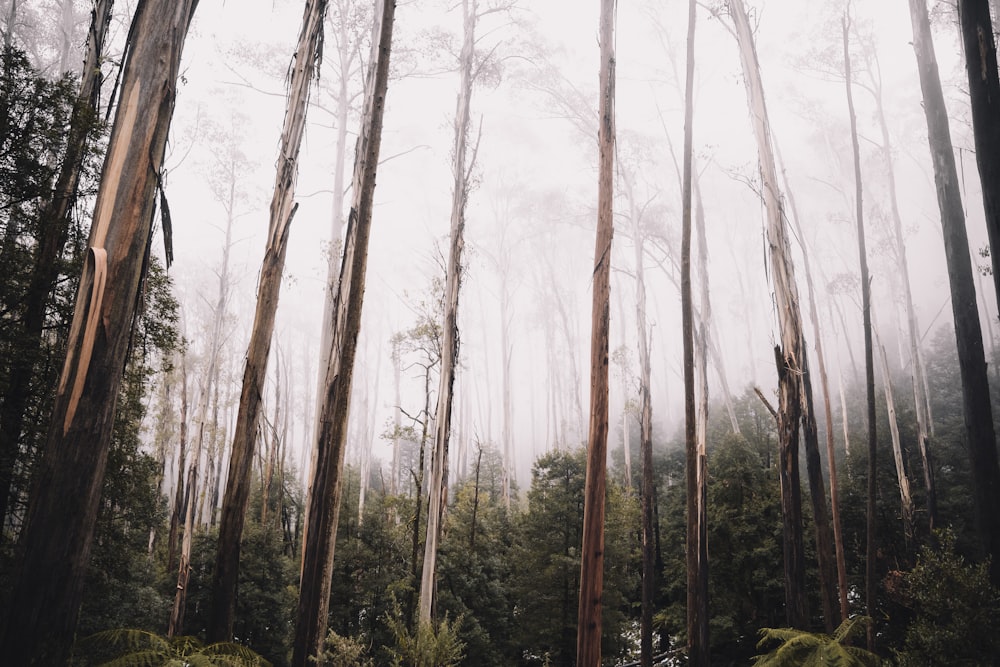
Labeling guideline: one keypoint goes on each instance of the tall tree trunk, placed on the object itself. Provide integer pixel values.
(831, 458)
(588, 638)
(67, 489)
(54, 216)
(905, 498)
(237, 495)
(324, 505)
(176, 623)
(870, 551)
(696, 472)
(645, 433)
(921, 397)
(461, 167)
(980, 436)
(791, 355)
(175, 514)
(984, 95)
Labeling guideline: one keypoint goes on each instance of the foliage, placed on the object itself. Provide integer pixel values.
(956, 610)
(806, 649)
(345, 652)
(432, 645)
(139, 648)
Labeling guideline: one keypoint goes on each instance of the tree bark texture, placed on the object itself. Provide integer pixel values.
(980, 435)
(831, 459)
(55, 223)
(237, 495)
(324, 504)
(461, 167)
(984, 95)
(62, 514)
(696, 547)
(791, 355)
(588, 631)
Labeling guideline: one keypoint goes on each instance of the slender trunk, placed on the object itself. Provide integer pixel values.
(176, 623)
(8, 34)
(921, 397)
(791, 355)
(905, 498)
(838, 541)
(980, 436)
(70, 475)
(175, 514)
(324, 505)
(54, 216)
(237, 495)
(697, 548)
(588, 638)
(645, 434)
(449, 346)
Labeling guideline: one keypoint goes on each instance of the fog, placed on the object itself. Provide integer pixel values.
(532, 207)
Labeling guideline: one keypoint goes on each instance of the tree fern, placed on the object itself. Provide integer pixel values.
(798, 648)
(127, 647)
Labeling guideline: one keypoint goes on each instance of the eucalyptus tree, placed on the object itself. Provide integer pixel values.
(308, 54)
(980, 48)
(588, 637)
(55, 222)
(59, 529)
(471, 66)
(790, 355)
(866, 312)
(980, 432)
(324, 504)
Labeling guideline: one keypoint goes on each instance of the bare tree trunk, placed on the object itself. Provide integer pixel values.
(55, 222)
(324, 505)
(905, 498)
(696, 471)
(237, 495)
(67, 489)
(921, 397)
(870, 552)
(984, 95)
(588, 639)
(791, 355)
(838, 540)
(176, 623)
(175, 514)
(980, 435)
(461, 169)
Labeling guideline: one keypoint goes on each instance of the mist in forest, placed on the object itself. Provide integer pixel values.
(522, 383)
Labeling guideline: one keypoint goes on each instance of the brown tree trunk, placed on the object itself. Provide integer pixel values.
(980, 436)
(984, 95)
(588, 638)
(324, 509)
(697, 548)
(791, 355)
(237, 495)
(461, 167)
(70, 475)
(917, 372)
(831, 458)
(178, 509)
(55, 223)
(870, 551)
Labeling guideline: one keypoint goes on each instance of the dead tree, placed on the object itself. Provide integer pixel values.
(67, 489)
